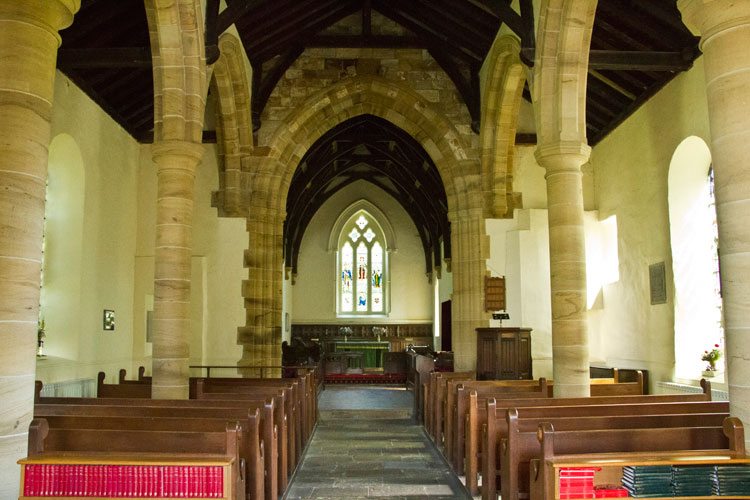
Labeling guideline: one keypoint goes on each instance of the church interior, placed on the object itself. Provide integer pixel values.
(478, 200)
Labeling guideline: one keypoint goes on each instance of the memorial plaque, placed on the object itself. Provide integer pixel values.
(658, 283)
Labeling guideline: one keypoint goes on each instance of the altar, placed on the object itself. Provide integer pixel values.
(372, 352)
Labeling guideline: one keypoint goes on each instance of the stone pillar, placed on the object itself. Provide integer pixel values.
(469, 247)
(724, 27)
(263, 290)
(176, 162)
(28, 51)
(567, 250)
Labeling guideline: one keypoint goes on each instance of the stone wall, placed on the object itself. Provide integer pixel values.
(318, 68)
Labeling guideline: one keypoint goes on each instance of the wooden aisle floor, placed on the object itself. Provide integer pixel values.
(354, 456)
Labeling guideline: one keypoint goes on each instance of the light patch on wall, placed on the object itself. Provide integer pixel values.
(602, 258)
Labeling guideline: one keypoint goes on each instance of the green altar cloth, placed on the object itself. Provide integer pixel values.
(372, 351)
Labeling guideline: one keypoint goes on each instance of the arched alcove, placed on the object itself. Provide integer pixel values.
(63, 241)
(692, 215)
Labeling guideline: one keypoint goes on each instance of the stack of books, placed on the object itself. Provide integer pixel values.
(731, 480)
(647, 481)
(577, 482)
(693, 480)
(609, 491)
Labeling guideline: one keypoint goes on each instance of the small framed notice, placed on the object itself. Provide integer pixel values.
(494, 294)
(657, 283)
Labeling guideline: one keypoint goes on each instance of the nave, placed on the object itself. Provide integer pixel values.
(366, 445)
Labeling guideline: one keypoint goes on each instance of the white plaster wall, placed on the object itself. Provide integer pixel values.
(631, 167)
(314, 294)
(100, 275)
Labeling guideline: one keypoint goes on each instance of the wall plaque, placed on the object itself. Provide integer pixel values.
(494, 294)
(658, 283)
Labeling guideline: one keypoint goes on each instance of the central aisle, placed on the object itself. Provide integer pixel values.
(355, 455)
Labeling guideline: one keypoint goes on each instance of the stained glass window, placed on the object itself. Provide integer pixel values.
(362, 264)
(362, 277)
(347, 290)
(377, 277)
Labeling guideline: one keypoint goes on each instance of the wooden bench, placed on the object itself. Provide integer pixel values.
(496, 428)
(130, 389)
(652, 446)
(457, 402)
(304, 393)
(435, 393)
(250, 446)
(611, 386)
(50, 443)
(274, 480)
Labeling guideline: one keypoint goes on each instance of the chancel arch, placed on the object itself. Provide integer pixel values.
(456, 162)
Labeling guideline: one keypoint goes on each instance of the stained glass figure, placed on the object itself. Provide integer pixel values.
(361, 222)
(362, 277)
(354, 235)
(369, 234)
(377, 277)
(347, 266)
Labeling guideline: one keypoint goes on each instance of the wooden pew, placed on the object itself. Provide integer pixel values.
(477, 418)
(457, 402)
(184, 409)
(305, 394)
(98, 444)
(553, 452)
(485, 447)
(611, 386)
(250, 446)
(496, 427)
(132, 389)
(287, 454)
(436, 388)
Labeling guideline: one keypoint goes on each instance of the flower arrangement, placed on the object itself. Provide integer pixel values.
(40, 336)
(711, 356)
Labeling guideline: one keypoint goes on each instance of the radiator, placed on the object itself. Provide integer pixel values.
(80, 388)
(675, 388)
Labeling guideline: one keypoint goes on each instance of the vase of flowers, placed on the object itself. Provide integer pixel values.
(711, 357)
(40, 336)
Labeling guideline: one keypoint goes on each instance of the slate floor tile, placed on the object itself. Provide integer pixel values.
(364, 459)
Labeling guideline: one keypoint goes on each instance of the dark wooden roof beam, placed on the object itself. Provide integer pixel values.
(124, 57)
(434, 40)
(298, 34)
(234, 12)
(521, 24)
(469, 90)
(640, 60)
(372, 41)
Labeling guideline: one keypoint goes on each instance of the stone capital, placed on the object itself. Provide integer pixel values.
(561, 157)
(706, 18)
(180, 155)
(50, 15)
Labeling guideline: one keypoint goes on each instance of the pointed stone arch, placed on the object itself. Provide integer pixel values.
(179, 62)
(233, 128)
(385, 99)
(273, 168)
(561, 69)
(502, 101)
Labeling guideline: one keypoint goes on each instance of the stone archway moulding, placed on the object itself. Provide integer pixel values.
(386, 99)
(380, 219)
(501, 103)
(233, 128)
